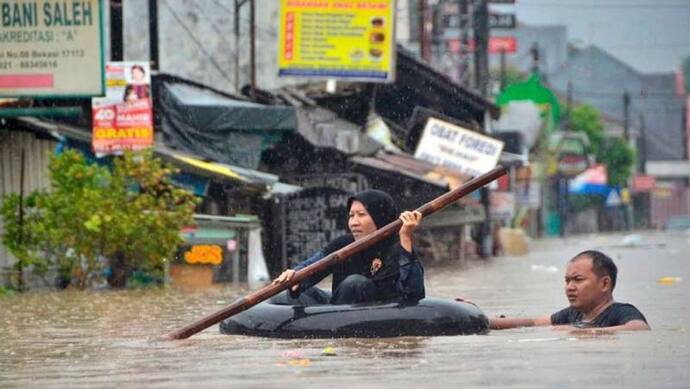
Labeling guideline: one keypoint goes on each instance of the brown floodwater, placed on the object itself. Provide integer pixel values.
(109, 338)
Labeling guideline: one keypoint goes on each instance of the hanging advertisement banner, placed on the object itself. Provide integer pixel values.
(123, 119)
(51, 48)
(340, 39)
(502, 205)
(452, 146)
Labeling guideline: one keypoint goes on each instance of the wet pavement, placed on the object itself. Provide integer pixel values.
(108, 338)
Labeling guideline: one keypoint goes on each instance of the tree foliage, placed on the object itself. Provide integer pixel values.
(615, 153)
(619, 157)
(585, 118)
(93, 217)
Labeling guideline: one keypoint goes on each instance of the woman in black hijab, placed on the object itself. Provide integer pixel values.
(388, 270)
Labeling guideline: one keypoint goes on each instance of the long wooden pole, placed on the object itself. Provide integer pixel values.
(357, 246)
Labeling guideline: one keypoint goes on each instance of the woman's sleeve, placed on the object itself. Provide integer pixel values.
(411, 279)
(313, 259)
(314, 278)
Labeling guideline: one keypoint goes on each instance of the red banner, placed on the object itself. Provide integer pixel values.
(643, 183)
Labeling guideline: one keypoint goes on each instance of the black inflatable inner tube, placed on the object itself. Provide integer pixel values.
(427, 317)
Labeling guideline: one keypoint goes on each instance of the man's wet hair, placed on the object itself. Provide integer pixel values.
(602, 264)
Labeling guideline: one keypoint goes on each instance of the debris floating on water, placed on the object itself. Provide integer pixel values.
(328, 351)
(296, 358)
(669, 280)
(293, 355)
(631, 240)
(545, 269)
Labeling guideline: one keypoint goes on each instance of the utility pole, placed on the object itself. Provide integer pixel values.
(481, 75)
(116, 46)
(481, 40)
(645, 198)
(464, 15)
(252, 21)
(534, 50)
(626, 116)
(238, 5)
(642, 145)
(22, 173)
(567, 123)
(424, 33)
(153, 35)
(503, 70)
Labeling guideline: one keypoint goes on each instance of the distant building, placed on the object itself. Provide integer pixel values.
(600, 80)
(656, 117)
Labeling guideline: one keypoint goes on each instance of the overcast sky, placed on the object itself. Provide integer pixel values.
(650, 35)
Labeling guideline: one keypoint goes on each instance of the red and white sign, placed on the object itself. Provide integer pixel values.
(643, 183)
(497, 44)
(123, 120)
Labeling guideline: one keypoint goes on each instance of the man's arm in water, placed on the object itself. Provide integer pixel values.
(503, 323)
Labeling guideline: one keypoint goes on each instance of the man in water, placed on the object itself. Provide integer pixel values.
(589, 282)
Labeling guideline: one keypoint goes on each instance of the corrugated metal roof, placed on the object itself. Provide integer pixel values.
(409, 166)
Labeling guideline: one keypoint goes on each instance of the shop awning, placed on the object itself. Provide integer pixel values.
(187, 162)
(262, 181)
(215, 168)
(205, 123)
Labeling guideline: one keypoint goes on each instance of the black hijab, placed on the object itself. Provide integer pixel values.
(382, 209)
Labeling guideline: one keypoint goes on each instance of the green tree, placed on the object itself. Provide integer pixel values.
(128, 218)
(615, 153)
(585, 118)
(619, 157)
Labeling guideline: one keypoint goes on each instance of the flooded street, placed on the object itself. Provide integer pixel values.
(108, 339)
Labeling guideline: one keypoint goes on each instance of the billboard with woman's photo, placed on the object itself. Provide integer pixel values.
(123, 119)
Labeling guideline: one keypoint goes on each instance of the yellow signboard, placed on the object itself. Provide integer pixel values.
(51, 48)
(343, 39)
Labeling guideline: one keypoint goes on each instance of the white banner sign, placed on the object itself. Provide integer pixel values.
(51, 48)
(458, 148)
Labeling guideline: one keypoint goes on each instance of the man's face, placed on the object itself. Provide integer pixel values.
(583, 288)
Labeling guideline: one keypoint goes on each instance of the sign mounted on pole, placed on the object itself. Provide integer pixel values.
(504, 21)
(123, 119)
(452, 146)
(498, 44)
(339, 39)
(51, 48)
